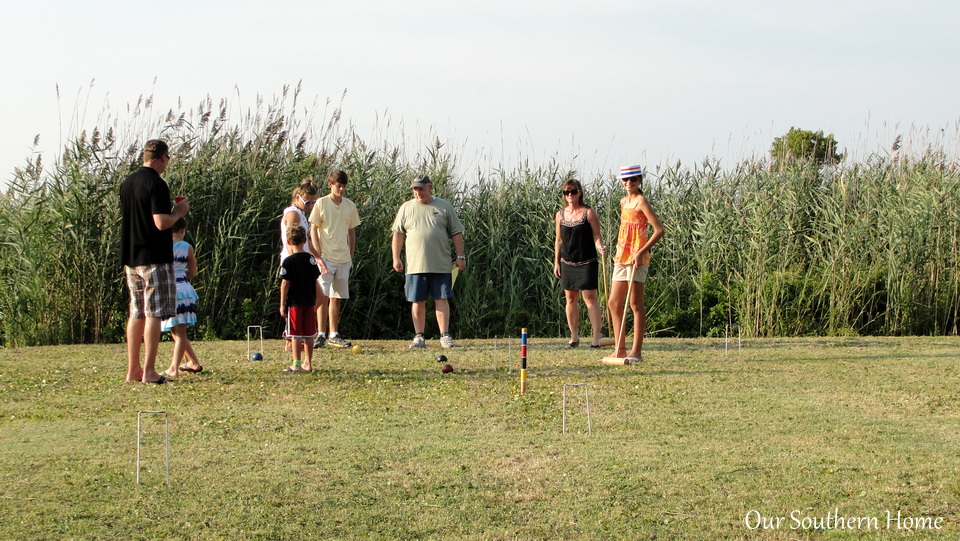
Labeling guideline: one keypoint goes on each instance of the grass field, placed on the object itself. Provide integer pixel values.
(696, 443)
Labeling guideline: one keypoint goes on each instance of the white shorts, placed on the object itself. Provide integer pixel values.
(335, 282)
(621, 273)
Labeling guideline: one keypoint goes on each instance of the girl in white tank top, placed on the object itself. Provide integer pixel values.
(304, 197)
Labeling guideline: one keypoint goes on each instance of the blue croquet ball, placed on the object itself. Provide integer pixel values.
(258, 356)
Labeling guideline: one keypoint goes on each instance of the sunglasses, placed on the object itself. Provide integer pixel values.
(304, 201)
(571, 192)
(632, 179)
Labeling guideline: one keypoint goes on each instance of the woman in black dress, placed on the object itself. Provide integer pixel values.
(575, 260)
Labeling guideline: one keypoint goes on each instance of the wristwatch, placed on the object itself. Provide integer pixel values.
(463, 257)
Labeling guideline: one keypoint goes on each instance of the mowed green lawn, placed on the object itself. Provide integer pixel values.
(696, 443)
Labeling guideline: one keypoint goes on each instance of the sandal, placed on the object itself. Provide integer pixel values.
(595, 346)
(297, 369)
(572, 344)
(632, 360)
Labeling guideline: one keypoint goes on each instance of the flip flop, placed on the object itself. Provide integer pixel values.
(572, 344)
(293, 369)
(632, 360)
(161, 381)
(186, 368)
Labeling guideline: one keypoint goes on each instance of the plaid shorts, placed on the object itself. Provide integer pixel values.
(153, 291)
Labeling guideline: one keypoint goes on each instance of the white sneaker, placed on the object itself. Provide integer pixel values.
(446, 341)
(338, 341)
(418, 342)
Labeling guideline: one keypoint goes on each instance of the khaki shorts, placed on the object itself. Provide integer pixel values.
(153, 291)
(335, 283)
(621, 273)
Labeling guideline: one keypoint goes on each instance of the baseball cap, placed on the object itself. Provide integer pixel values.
(420, 181)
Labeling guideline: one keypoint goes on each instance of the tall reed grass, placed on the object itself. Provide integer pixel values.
(869, 248)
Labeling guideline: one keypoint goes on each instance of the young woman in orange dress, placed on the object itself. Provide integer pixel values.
(632, 261)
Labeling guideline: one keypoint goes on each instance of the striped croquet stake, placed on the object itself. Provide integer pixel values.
(523, 361)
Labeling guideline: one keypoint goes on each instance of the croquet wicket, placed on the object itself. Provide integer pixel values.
(727, 336)
(586, 397)
(249, 328)
(166, 434)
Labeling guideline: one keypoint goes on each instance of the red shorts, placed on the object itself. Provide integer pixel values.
(301, 322)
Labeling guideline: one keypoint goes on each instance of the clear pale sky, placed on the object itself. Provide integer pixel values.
(596, 83)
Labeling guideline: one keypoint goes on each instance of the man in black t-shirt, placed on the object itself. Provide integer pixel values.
(146, 252)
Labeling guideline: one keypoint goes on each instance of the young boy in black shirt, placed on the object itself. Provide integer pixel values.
(298, 298)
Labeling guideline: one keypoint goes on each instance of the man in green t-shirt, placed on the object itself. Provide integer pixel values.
(424, 227)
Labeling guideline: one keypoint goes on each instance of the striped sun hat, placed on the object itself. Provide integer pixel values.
(628, 171)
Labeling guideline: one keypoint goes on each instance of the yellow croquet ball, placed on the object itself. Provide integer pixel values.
(357, 350)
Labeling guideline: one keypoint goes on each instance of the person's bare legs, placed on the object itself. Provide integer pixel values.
(192, 360)
(572, 296)
(323, 309)
(151, 343)
(333, 314)
(618, 292)
(418, 311)
(639, 320)
(179, 334)
(442, 308)
(134, 340)
(593, 312)
(308, 353)
(298, 347)
(182, 349)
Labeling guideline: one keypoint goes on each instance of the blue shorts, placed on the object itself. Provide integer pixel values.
(437, 284)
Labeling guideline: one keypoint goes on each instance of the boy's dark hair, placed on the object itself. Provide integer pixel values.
(179, 225)
(337, 176)
(296, 235)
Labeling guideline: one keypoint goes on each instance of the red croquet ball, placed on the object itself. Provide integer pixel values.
(447, 369)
